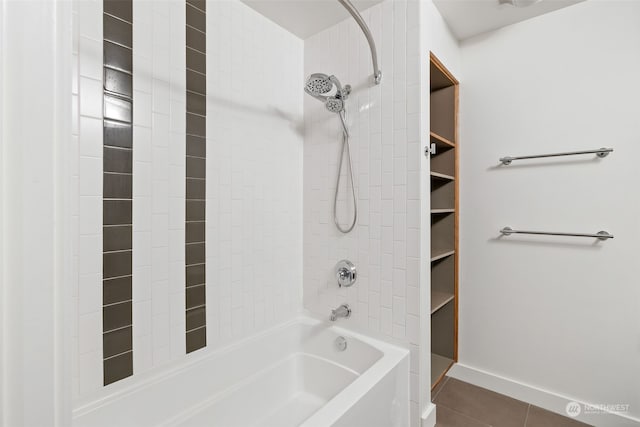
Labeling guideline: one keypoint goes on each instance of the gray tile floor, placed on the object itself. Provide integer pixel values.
(465, 405)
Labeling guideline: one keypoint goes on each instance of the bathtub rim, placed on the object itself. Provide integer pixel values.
(392, 355)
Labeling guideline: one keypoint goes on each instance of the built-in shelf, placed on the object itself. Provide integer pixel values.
(443, 166)
(439, 140)
(439, 300)
(438, 175)
(436, 255)
(439, 365)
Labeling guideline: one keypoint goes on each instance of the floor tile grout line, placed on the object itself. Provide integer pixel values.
(462, 414)
(526, 418)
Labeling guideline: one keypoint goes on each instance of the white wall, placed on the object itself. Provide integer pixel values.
(385, 146)
(254, 204)
(559, 314)
(35, 128)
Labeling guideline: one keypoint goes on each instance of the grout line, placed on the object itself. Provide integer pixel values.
(194, 28)
(118, 18)
(118, 329)
(196, 306)
(119, 302)
(116, 43)
(117, 277)
(121, 122)
(116, 355)
(204, 116)
(118, 173)
(197, 72)
(130, 325)
(116, 147)
(196, 8)
(187, 287)
(195, 329)
(122, 70)
(119, 96)
(118, 251)
(192, 134)
(196, 93)
(197, 50)
(526, 418)
(462, 414)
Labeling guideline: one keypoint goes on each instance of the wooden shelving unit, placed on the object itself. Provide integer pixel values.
(444, 220)
(439, 365)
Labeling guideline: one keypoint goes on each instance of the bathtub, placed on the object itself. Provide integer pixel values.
(291, 375)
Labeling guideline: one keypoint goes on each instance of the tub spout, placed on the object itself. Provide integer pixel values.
(343, 311)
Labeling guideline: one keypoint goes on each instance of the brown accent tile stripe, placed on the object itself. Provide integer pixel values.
(117, 192)
(195, 179)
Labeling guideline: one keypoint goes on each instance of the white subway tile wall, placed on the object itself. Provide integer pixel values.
(254, 172)
(255, 209)
(384, 125)
(87, 40)
(158, 169)
(254, 199)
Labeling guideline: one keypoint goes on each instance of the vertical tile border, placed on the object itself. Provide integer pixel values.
(196, 54)
(117, 190)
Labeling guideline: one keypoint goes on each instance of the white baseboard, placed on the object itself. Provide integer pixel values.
(545, 399)
(428, 418)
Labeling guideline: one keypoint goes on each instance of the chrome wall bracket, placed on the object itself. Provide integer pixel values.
(346, 273)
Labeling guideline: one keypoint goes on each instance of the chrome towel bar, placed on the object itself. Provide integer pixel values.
(602, 235)
(600, 152)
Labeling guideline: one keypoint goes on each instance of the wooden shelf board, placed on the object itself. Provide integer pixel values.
(440, 139)
(439, 175)
(439, 300)
(440, 211)
(439, 366)
(439, 254)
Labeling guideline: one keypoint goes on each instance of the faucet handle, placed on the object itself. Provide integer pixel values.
(346, 273)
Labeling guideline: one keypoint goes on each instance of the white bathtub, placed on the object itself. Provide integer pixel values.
(290, 375)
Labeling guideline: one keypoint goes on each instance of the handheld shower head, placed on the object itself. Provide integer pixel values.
(320, 86)
(334, 104)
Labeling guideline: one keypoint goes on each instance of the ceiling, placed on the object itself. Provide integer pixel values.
(306, 17)
(467, 18)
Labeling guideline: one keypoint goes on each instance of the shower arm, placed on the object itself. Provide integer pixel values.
(377, 74)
